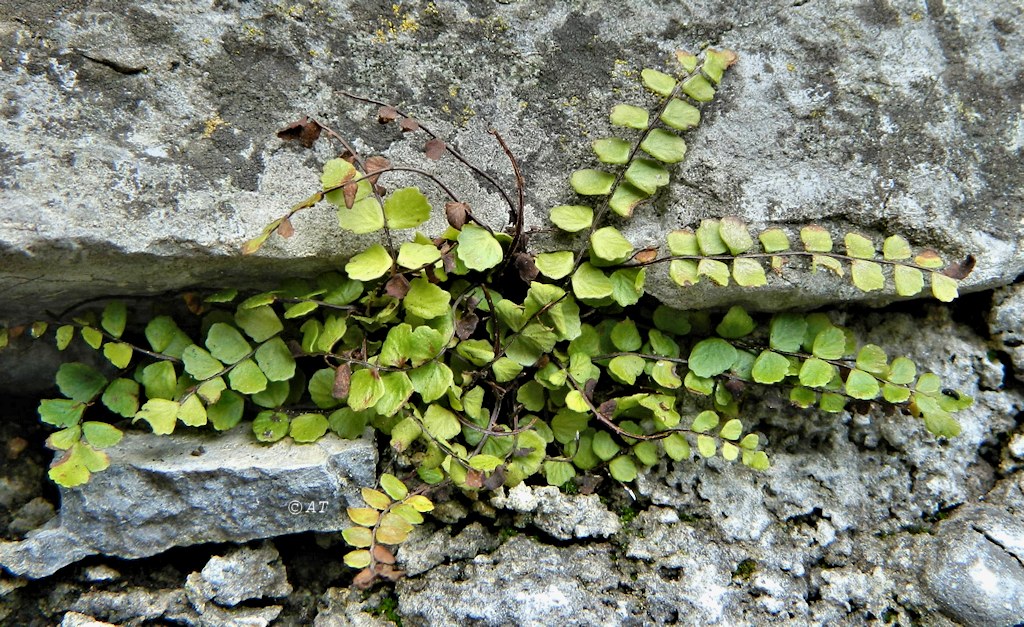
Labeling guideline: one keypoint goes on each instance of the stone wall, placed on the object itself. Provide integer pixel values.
(138, 148)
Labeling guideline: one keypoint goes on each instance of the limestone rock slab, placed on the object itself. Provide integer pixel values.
(138, 147)
(977, 568)
(167, 491)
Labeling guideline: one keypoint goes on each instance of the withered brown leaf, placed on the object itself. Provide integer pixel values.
(408, 125)
(474, 478)
(526, 267)
(382, 554)
(364, 579)
(397, 286)
(387, 114)
(194, 302)
(435, 149)
(457, 213)
(646, 255)
(448, 261)
(374, 165)
(960, 269)
(349, 192)
(342, 378)
(496, 479)
(285, 229)
(390, 573)
(466, 325)
(304, 130)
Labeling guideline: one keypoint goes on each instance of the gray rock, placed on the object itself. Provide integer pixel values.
(522, 583)
(31, 515)
(1006, 323)
(216, 616)
(162, 491)
(1016, 446)
(139, 148)
(74, 619)
(100, 573)
(206, 612)
(1009, 494)
(241, 575)
(347, 607)
(425, 550)
(135, 604)
(977, 570)
(562, 516)
(8, 586)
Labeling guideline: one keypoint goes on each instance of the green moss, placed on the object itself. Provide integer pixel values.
(745, 569)
(387, 609)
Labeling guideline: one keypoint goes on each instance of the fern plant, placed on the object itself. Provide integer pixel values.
(484, 364)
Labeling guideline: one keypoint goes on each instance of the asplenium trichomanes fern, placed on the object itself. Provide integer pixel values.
(561, 368)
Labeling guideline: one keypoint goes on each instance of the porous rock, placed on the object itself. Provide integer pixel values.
(977, 569)
(524, 582)
(134, 604)
(425, 549)
(562, 516)
(347, 607)
(139, 150)
(31, 515)
(1006, 323)
(241, 575)
(75, 619)
(161, 492)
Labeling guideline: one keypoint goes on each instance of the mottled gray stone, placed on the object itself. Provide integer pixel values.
(100, 573)
(134, 604)
(161, 492)
(241, 575)
(525, 583)
(138, 606)
(138, 147)
(425, 549)
(31, 515)
(837, 532)
(1016, 446)
(1006, 323)
(562, 516)
(74, 619)
(212, 614)
(347, 607)
(977, 570)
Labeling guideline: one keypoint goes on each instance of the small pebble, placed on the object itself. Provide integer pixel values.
(1016, 446)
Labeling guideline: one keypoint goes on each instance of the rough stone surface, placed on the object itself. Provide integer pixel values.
(524, 582)
(1006, 322)
(562, 517)
(425, 549)
(74, 619)
(139, 606)
(977, 570)
(32, 515)
(345, 607)
(134, 604)
(100, 573)
(884, 116)
(839, 531)
(162, 492)
(242, 575)
(138, 144)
